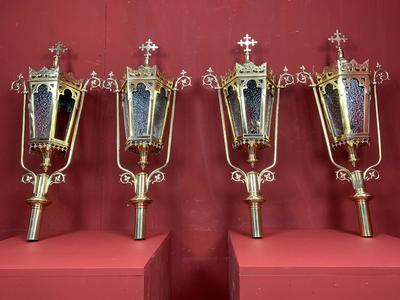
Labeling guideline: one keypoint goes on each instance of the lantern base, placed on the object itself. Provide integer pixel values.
(256, 221)
(364, 218)
(361, 198)
(140, 221)
(37, 208)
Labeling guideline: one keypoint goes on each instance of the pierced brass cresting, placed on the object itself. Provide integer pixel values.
(146, 100)
(343, 94)
(250, 93)
(55, 102)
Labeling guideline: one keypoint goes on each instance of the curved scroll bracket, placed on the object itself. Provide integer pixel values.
(238, 176)
(182, 81)
(371, 174)
(285, 78)
(92, 82)
(19, 85)
(57, 178)
(343, 175)
(29, 177)
(156, 176)
(303, 77)
(110, 83)
(127, 178)
(380, 75)
(266, 176)
(210, 79)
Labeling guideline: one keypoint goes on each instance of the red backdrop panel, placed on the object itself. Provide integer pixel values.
(198, 201)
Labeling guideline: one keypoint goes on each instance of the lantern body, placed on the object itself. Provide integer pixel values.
(52, 105)
(249, 94)
(345, 93)
(146, 97)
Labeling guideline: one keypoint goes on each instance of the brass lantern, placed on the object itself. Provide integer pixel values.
(54, 101)
(343, 92)
(250, 93)
(147, 100)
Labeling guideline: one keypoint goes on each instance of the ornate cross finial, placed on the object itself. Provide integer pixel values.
(57, 48)
(246, 42)
(148, 46)
(338, 38)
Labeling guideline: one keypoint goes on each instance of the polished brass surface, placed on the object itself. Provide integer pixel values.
(361, 198)
(47, 136)
(250, 133)
(345, 123)
(149, 81)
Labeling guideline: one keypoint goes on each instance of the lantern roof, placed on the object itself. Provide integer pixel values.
(248, 68)
(146, 71)
(55, 72)
(342, 65)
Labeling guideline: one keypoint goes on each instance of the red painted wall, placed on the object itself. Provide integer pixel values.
(198, 202)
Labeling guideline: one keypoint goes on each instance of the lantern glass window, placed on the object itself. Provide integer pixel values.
(355, 106)
(141, 106)
(269, 106)
(234, 111)
(160, 111)
(332, 103)
(43, 104)
(252, 99)
(125, 110)
(65, 111)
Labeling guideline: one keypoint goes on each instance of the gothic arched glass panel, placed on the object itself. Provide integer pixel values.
(331, 98)
(43, 104)
(140, 105)
(160, 111)
(355, 105)
(64, 114)
(234, 108)
(252, 98)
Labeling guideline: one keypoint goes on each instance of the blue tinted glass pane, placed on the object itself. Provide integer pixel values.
(125, 111)
(252, 98)
(159, 113)
(234, 109)
(64, 113)
(331, 99)
(42, 106)
(141, 101)
(268, 112)
(355, 105)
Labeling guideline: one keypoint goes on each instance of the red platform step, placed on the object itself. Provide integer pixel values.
(85, 265)
(314, 265)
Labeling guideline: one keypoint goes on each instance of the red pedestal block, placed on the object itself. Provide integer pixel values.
(314, 264)
(85, 265)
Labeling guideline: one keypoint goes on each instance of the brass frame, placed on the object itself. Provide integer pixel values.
(142, 180)
(356, 177)
(251, 179)
(42, 181)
